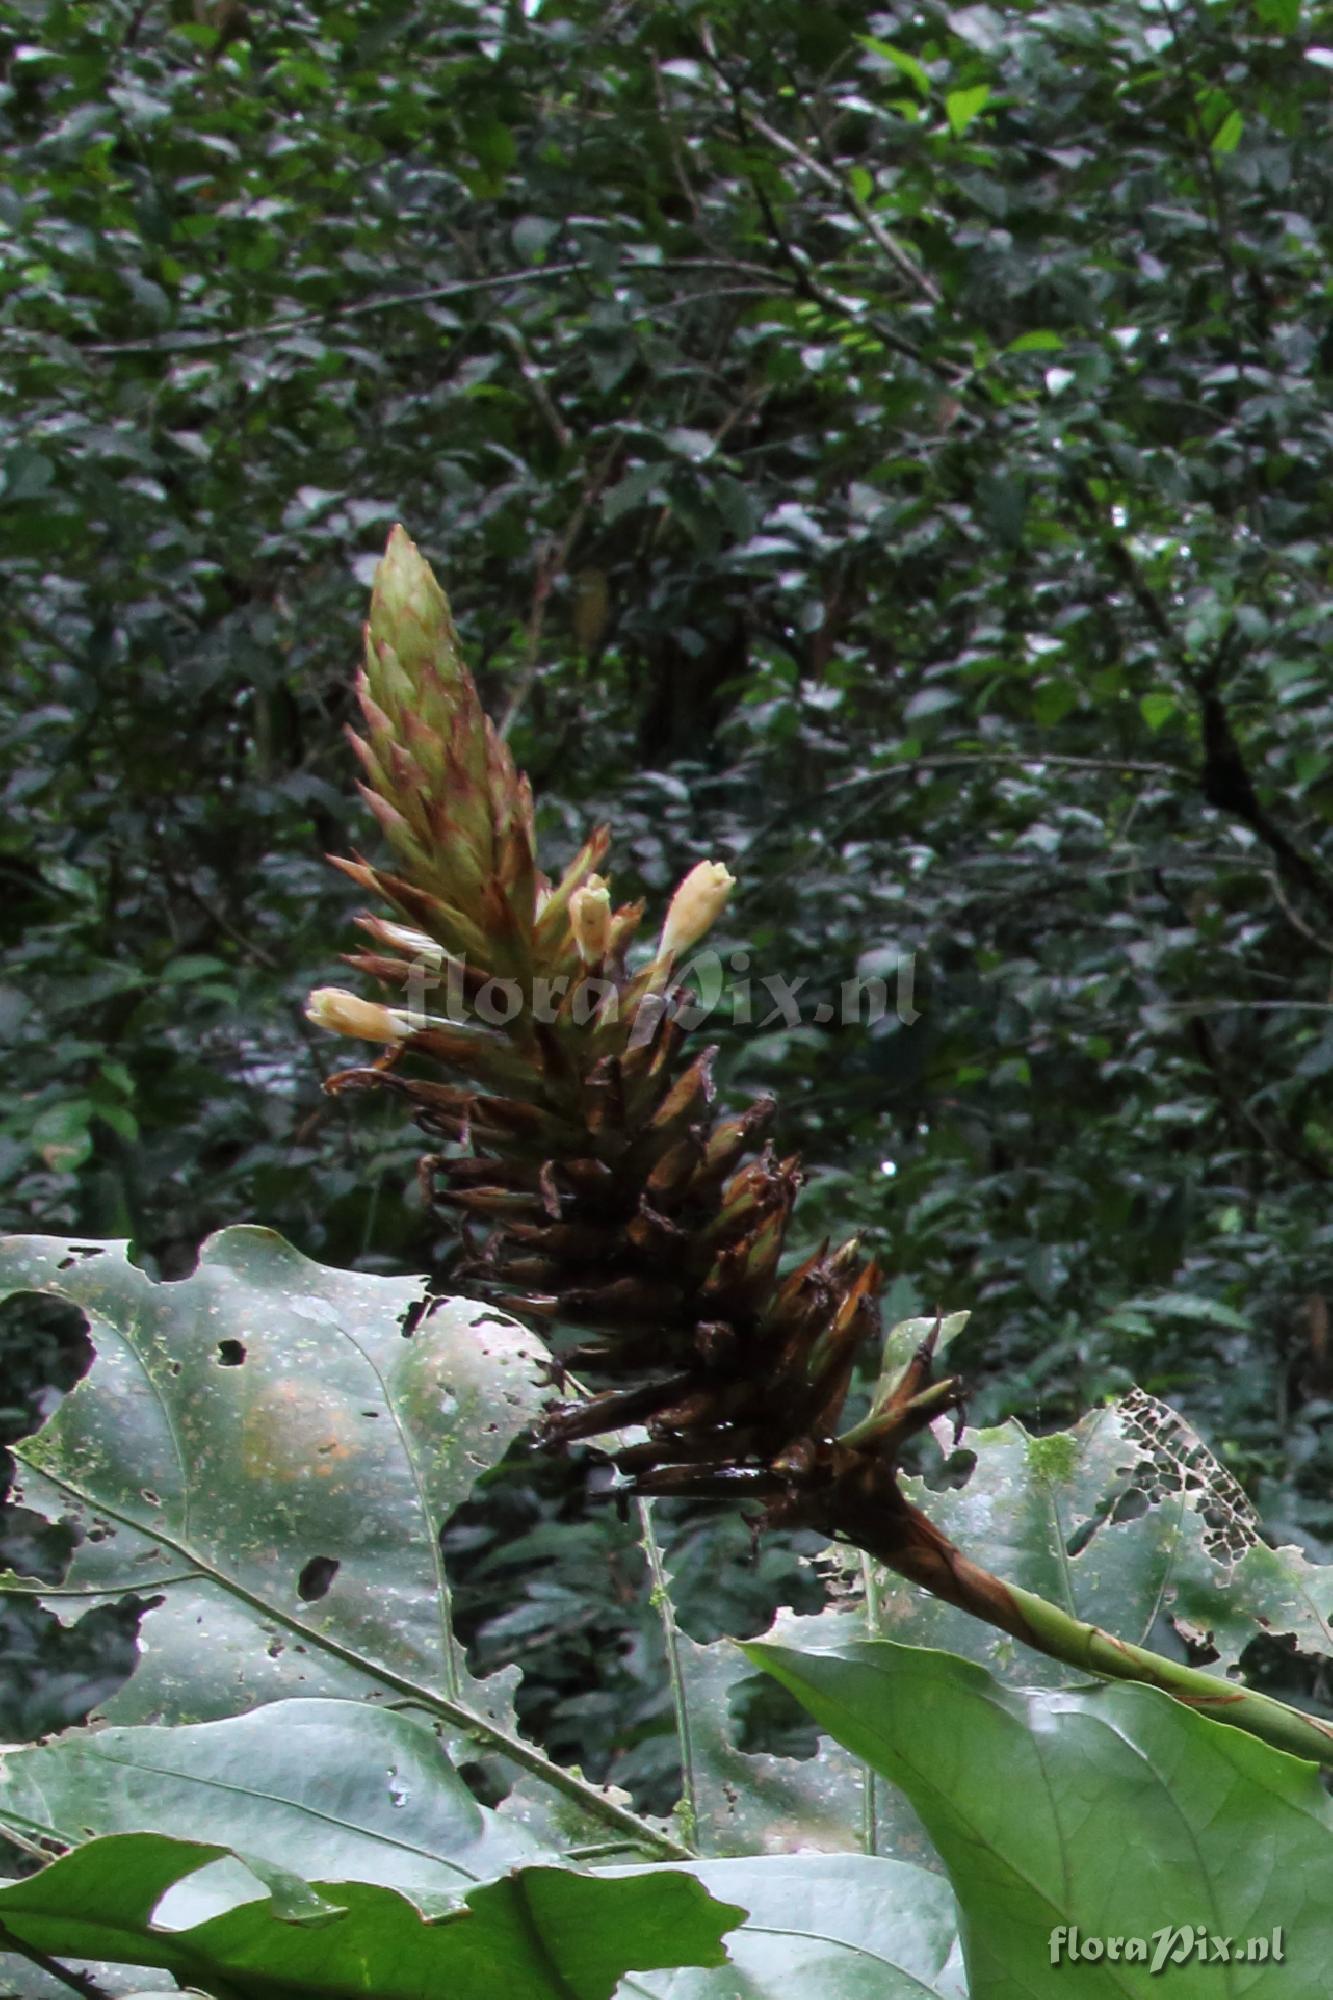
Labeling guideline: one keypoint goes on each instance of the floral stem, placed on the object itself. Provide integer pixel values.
(907, 1541)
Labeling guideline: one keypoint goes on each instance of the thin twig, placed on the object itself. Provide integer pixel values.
(77, 1982)
(535, 382)
(1136, 766)
(189, 340)
(750, 403)
(1239, 1108)
(1225, 780)
(554, 558)
(906, 265)
(1203, 1005)
(1015, 760)
(661, 1601)
(1293, 917)
(216, 916)
(186, 340)
(1123, 562)
(870, 222)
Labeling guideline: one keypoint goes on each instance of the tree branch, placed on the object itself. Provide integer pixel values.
(1225, 779)
(905, 265)
(1272, 1139)
(191, 340)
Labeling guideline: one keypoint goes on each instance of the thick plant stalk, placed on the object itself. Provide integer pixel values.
(598, 1189)
(908, 1542)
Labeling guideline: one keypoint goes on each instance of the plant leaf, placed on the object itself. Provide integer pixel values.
(20, 1979)
(342, 1789)
(1030, 1501)
(261, 1447)
(269, 1449)
(902, 1341)
(749, 1801)
(962, 106)
(1117, 1811)
(537, 1934)
(914, 71)
(331, 1788)
(827, 1927)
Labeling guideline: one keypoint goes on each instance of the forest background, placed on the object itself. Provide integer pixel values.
(886, 450)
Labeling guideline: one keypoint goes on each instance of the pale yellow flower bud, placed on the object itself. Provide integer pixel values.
(590, 915)
(345, 1013)
(695, 907)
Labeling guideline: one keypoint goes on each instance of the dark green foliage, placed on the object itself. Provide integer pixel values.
(917, 500)
(364, 1791)
(549, 1576)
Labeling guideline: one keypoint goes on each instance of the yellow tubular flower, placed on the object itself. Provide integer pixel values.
(344, 1013)
(695, 907)
(590, 916)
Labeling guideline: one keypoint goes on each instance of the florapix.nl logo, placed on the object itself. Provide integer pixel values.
(715, 987)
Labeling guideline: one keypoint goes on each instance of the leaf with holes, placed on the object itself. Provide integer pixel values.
(266, 1452)
(329, 1788)
(740, 1800)
(1276, 1590)
(343, 1791)
(746, 1801)
(1042, 1513)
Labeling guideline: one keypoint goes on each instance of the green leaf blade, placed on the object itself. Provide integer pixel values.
(328, 1788)
(963, 107)
(541, 1933)
(265, 1446)
(1117, 1811)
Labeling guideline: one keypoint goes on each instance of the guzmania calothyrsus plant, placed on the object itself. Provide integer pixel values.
(579, 1136)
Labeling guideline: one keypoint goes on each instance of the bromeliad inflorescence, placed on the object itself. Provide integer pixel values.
(580, 1136)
